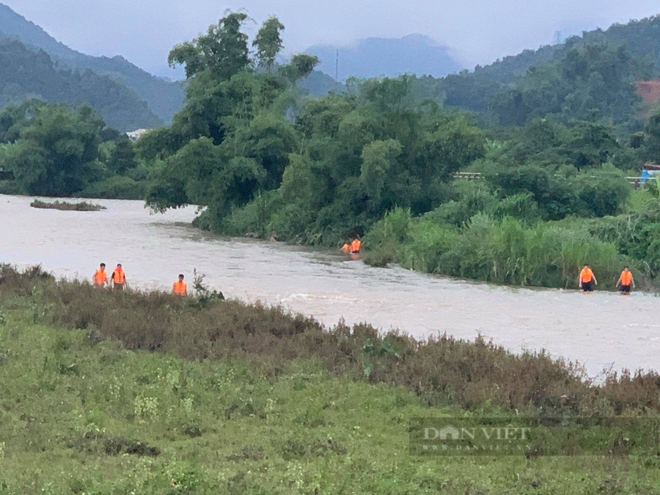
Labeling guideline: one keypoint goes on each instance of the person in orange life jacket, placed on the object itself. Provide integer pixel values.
(355, 246)
(626, 281)
(100, 278)
(347, 247)
(180, 288)
(587, 279)
(118, 277)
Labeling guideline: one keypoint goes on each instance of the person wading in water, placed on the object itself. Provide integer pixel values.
(587, 279)
(626, 281)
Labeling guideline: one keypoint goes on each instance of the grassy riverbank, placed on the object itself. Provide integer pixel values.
(108, 392)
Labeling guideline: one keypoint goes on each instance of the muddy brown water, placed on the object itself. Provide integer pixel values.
(600, 330)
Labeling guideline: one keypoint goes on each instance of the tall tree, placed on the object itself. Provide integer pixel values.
(269, 42)
(223, 50)
(122, 157)
(56, 153)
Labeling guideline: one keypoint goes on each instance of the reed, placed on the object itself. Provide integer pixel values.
(504, 251)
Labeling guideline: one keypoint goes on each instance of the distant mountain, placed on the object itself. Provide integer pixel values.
(164, 98)
(318, 84)
(28, 74)
(373, 57)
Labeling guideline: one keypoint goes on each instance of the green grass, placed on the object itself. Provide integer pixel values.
(640, 200)
(73, 408)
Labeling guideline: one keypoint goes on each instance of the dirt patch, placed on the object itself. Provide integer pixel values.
(649, 91)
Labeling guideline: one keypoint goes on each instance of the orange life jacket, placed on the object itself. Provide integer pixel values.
(118, 276)
(586, 275)
(355, 246)
(179, 288)
(626, 277)
(100, 277)
(346, 248)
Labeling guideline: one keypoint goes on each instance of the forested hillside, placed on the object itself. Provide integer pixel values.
(164, 98)
(628, 51)
(27, 74)
(641, 36)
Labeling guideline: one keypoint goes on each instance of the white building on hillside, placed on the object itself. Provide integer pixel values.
(135, 135)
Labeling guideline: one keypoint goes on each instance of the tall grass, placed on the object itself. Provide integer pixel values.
(505, 251)
(441, 370)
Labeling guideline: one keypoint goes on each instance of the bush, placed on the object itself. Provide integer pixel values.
(251, 218)
(9, 187)
(564, 192)
(117, 187)
(386, 238)
(505, 251)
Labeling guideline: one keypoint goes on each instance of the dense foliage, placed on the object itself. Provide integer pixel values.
(598, 67)
(320, 165)
(587, 81)
(55, 151)
(164, 97)
(27, 74)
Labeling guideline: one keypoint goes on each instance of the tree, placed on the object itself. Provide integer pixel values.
(56, 153)
(269, 42)
(589, 81)
(377, 159)
(590, 144)
(301, 66)
(122, 157)
(223, 50)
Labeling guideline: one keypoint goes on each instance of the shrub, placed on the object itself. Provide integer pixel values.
(441, 370)
(117, 187)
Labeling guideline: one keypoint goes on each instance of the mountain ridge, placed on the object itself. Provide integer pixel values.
(373, 57)
(164, 98)
(29, 74)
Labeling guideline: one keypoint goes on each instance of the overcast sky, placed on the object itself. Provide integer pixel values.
(478, 31)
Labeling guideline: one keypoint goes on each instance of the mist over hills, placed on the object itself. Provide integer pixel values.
(164, 98)
(374, 57)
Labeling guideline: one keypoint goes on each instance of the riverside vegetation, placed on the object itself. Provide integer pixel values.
(117, 392)
(378, 161)
(554, 139)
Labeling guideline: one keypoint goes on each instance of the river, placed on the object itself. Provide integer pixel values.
(600, 330)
